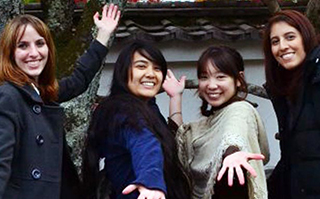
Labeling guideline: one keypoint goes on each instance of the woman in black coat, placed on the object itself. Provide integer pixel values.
(292, 64)
(34, 161)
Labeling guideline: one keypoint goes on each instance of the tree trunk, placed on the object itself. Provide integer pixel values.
(272, 5)
(9, 9)
(78, 110)
(313, 13)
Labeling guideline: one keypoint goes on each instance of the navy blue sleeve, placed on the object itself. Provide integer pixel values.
(147, 158)
(86, 68)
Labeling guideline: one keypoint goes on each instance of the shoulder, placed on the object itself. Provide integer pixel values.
(241, 107)
(9, 90)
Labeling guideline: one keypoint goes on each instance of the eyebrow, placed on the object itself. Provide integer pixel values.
(144, 61)
(290, 32)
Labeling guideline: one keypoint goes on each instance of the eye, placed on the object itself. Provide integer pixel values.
(221, 76)
(274, 42)
(203, 76)
(140, 66)
(157, 68)
(22, 45)
(290, 37)
(40, 43)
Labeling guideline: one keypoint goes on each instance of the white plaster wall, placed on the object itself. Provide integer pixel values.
(182, 57)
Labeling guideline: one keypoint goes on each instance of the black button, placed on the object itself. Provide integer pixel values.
(36, 174)
(39, 140)
(37, 109)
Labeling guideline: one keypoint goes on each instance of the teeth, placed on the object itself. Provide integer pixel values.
(148, 83)
(214, 95)
(287, 56)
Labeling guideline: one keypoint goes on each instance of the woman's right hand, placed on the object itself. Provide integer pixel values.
(172, 86)
(107, 23)
(144, 192)
(235, 162)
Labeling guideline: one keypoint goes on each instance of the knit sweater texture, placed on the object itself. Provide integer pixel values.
(202, 144)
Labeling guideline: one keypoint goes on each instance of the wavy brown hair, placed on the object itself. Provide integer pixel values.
(9, 71)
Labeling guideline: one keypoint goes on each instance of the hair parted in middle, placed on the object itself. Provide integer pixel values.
(11, 35)
(279, 80)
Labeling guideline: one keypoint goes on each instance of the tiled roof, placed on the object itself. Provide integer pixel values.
(192, 22)
(203, 29)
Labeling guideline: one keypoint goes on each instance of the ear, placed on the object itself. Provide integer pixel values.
(241, 74)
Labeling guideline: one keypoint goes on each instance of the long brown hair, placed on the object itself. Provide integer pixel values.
(9, 71)
(280, 81)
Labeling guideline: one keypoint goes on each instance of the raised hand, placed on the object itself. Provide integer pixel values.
(144, 192)
(234, 162)
(172, 86)
(107, 23)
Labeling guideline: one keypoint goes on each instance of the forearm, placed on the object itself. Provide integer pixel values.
(175, 109)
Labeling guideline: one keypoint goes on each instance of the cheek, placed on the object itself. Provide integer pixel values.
(201, 87)
(274, 51)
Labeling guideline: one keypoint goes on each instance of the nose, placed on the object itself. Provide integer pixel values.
(33, 52)
(150, 72)
(283, 45)
(212, 84)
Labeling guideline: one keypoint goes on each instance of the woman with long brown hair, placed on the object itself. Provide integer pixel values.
(292, 72)
(34, 158)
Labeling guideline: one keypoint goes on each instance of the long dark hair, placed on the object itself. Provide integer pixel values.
(132, 110)
(228, 61)
(280, 81)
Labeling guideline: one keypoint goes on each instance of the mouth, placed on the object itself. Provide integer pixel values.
(213, 95)
(33, 63)
(287, 56)
(148, 84)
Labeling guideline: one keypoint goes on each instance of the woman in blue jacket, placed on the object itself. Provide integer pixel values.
(34, 161)
(140, 153)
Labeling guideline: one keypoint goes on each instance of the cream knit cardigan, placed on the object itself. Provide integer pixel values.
(202, 144)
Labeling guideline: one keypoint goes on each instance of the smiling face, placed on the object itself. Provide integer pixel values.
(31, 53)
(216, 87)
(145, 77)
(287, 45)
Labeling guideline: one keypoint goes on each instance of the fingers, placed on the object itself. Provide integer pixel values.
(230, 176)
(104, 10)
(183, 80)
(170, 74)
(249, 168)
(221, 172)
(255, 156)
(129, 189)
(96, 17)
(118, 16)
(240, 175)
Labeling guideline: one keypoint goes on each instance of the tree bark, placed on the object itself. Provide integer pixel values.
(78, 111)
(272, 5)
(58, 15)
(9, 9)
(313, 13)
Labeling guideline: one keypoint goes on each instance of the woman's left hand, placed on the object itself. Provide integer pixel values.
(235, 161)
(107, 23)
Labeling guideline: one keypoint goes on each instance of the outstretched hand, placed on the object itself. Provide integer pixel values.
(234, 162)
(144, 192)
(107, 23)
(172, 86)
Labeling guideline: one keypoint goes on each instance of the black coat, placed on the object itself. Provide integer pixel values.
(34, 158)
(297, 175)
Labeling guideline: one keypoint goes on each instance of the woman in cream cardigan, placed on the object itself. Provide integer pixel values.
(230, 135)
